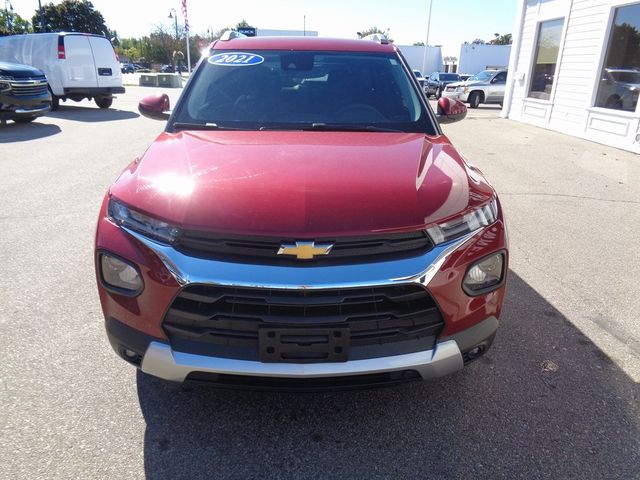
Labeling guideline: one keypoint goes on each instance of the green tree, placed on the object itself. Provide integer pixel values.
(13, 24)
(243, 24)
(501, 39)
(71, 16)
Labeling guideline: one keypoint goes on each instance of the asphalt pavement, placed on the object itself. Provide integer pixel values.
(557, 397)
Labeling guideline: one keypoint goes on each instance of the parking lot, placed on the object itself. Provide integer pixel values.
(558, 396)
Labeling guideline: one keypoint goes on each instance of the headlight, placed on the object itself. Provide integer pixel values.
(5, 84)
(144, 224)
(119, 275)
(465, 224)
(484, 276)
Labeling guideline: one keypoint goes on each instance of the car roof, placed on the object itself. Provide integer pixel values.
(303, 43)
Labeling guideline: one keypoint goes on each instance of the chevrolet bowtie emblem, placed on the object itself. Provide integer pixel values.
(305, 250)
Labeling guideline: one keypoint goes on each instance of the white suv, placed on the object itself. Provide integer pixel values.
(484, 87)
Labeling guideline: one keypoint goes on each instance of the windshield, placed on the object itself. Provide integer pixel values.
(417, 73)
(484, 75)
(273, 90)
(449, 76)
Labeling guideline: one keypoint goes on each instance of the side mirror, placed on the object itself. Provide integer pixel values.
(450, 111)
(155, 106)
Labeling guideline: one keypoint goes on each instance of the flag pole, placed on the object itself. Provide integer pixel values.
(186, 33)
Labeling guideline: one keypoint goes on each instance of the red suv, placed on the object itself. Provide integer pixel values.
(302, 222)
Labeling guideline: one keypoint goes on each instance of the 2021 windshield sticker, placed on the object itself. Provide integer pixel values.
(236, 59)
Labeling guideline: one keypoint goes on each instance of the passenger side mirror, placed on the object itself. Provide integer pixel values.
(450, 111)
(155, 106)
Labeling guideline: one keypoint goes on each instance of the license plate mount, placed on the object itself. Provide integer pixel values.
(304, 345)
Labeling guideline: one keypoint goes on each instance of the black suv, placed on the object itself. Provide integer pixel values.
(435, 83)
(24, 93)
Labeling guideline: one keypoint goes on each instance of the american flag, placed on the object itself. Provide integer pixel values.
(184, 14)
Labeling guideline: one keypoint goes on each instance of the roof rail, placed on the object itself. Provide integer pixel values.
(230, 35)
(377, 37)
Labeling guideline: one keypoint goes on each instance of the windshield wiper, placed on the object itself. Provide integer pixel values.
(203, 126)
(330, 127)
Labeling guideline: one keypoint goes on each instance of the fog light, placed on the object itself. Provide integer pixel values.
(120, 275)
(130, 354)
(485, 276)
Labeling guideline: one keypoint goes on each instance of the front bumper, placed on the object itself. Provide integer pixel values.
(469, 321)
(12, 107)
(460, 96)
(160, 360)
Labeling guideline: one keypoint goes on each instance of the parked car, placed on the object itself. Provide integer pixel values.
(286, 233)
(127, 68)
(419, 77)
(24, 93)
(619, 89)
(484, 87)
(435, 83)
(77, 65)
(166, 69)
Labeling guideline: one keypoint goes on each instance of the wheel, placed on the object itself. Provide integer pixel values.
(24, 120)
(104, 102)
(474, 99)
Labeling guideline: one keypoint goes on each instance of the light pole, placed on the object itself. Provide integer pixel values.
(174, 15)
(426, 43)
(42, 27)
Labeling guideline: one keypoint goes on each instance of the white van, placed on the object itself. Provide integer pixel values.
(77, 65)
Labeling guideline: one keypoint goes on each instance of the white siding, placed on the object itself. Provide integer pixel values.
(475, 58)
(570, 108)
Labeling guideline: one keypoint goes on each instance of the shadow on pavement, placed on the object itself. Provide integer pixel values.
(91, 114)
(545, 402)
(22, 132)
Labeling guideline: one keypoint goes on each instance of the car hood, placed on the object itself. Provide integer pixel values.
(17, 70)
(301, 184)
(467, 83)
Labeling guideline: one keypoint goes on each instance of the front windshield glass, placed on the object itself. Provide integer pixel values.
(484, 75)
(275, 90)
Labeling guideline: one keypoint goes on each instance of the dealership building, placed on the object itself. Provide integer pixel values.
(575, 68)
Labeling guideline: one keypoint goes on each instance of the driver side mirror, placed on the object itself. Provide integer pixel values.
(155, 106)
(450, 111)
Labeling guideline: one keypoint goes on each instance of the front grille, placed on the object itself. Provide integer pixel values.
(450, 89)
(225, 321)
(265, 249)
(29, 88)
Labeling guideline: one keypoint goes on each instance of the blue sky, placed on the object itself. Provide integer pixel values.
(452, 21)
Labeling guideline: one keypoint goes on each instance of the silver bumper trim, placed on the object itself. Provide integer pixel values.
(161, 361)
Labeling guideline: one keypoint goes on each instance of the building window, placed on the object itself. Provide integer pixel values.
(546, 58)
(620, 79)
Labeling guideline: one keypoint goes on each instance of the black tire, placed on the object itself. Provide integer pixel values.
(55, 102)
(104, 102)
(24, 120)
(474, 99)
